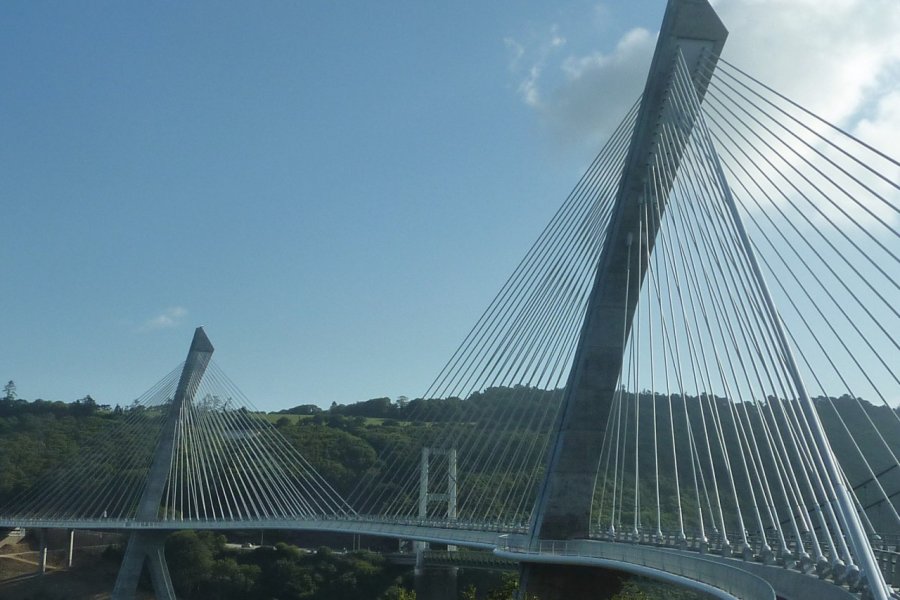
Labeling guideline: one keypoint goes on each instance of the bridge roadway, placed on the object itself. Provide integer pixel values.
(687, 565)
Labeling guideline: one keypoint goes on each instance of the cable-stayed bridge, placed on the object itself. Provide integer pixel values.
(691, 375)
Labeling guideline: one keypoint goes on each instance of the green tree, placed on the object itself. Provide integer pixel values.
(230, 580)
(190, 558)
(397, 592)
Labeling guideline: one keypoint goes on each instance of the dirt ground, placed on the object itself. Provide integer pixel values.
(91, 577)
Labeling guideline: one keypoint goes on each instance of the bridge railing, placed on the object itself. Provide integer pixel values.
(714, 542)
(889, 563)
(690, 566)
(886, 541)
(129, 523)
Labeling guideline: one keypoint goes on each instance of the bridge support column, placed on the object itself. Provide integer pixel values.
(70, 554)
(42, 551)
(565, 502)
(150, 544)
(418, 546)
(425, 497)
(564, 506)
(150, 547)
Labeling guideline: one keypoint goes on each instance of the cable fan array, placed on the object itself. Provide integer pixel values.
(826, 221)
(229, 463)
(711, 434)
(107, 478)
(498, 396)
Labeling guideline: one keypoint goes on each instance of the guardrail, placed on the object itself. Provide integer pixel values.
(889, 563)
(250, 523)
(731, 580)
(479, 559)
(482, 535)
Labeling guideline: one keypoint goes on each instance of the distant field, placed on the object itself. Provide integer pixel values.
(273, 417)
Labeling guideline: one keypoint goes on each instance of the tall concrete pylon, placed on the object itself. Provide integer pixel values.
(563, 507)
(149, 545)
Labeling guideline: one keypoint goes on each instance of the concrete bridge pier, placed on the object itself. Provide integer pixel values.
(564, 508)
(147, 545)
(419, 549)
(42, 551)
(70, 554)
(144, 547)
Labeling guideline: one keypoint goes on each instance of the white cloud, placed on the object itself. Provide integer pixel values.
(536, 56)
(168, 318)
(528, 87)
(881, 128)
(517, 51)
(840, 58)
(598, 88)
(634, 44)
(829, 55)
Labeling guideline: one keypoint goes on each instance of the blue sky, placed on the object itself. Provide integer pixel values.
(334, 191)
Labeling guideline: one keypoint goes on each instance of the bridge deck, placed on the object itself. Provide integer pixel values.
(720, 576)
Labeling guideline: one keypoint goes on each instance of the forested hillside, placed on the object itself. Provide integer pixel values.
(344, 442)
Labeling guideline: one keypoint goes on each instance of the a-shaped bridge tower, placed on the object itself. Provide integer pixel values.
(690, 41)
(149, 546)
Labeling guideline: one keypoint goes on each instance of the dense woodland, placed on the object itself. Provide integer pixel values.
(344, 443)
(203, 567)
